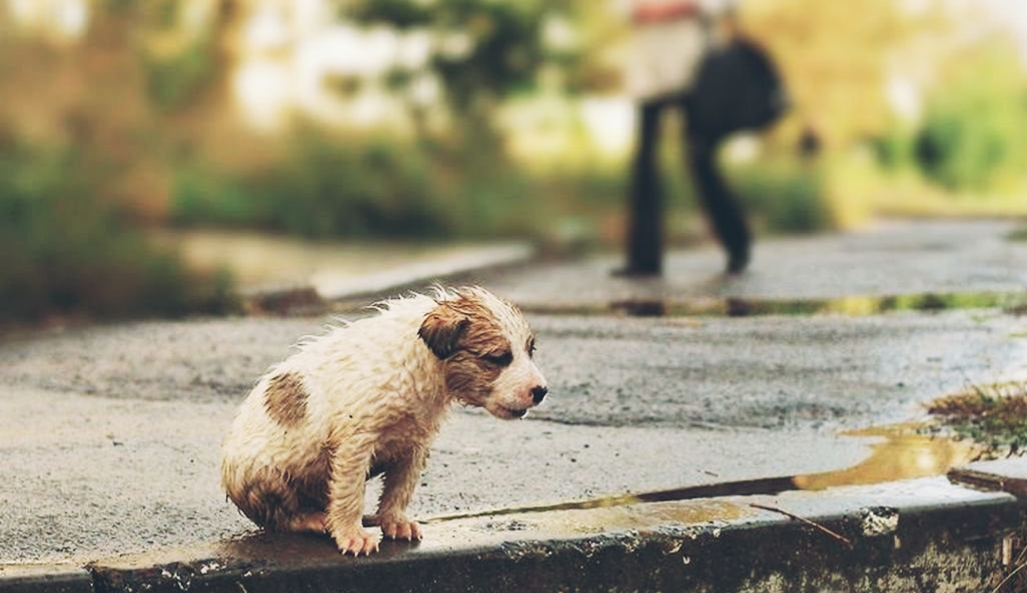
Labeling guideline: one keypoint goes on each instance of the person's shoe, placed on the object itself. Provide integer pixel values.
(737, 262)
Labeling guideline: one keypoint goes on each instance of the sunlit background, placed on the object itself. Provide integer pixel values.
(130, 127)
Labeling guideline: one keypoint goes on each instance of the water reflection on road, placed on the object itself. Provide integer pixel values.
(905, 452)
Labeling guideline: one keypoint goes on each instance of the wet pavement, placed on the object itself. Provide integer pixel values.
(891, 258)
(109, 434)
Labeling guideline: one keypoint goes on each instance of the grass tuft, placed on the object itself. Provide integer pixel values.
(994, 415)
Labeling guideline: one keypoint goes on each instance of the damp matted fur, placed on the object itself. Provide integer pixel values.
(368, 398)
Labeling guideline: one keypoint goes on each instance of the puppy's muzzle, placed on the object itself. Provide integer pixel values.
(538, 393)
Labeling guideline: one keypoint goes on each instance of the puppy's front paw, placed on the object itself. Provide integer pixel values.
(400, 528)
(356, 541)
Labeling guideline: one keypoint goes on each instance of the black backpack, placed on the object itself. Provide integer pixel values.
(737, 88)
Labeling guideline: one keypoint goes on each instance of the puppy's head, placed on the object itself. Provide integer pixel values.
(487, 348)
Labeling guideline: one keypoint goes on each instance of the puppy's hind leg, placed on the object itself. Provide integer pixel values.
(316, 522)
(268, 497)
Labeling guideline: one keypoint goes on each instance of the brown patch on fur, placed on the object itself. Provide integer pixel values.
(269, 501)
(286, 399)
(441, 330)
(469, 376)
(276, 497)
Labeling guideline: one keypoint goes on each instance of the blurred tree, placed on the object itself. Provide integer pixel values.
(89, 95)
(184, 50)
(483, 51)
(835, 58)
(481, 48)
(971, 137)
(132, 87)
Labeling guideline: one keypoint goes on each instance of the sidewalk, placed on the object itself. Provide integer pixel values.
(265, 264)
(941, 257)
(110, 435)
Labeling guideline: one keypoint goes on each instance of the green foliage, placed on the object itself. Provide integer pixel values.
(403, 14)
(353, 187)
(784, 197)
(973, 131)
(485, 49)
(67, 252)
(174, 81)
(117, 7)
(895, 151)
(498, 200)
(506, 54)
(1019, 234)
(324, 188)
(328, 188)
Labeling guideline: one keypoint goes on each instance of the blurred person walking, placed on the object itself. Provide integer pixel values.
(688, 55)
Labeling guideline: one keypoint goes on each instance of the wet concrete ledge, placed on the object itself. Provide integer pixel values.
(45, 578)
(915, 535)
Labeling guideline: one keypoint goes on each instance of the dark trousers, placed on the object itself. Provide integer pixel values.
(645, 232)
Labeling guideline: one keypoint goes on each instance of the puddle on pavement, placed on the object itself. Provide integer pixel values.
(904, 451)
(596, 516)
(704, 491)
(851, 305)
(597, 520)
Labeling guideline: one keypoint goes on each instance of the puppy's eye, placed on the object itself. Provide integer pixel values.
(500, 359)
(531, 347)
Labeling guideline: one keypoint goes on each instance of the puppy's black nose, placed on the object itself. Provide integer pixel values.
(538, 393)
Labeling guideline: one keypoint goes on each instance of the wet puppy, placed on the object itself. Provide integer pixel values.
(368, 398)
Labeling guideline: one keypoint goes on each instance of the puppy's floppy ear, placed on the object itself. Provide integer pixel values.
(441, 330)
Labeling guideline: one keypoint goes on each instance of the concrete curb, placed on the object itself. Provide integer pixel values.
(45, 578)
(915, 535)
(345, 290)
(453, 265)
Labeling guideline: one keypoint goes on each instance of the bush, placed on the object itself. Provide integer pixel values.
(972, 134)
(783, 197)
(321, 189)
(327, 187)
(65, 251)
(175, 81)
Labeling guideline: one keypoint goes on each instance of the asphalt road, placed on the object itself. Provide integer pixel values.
(110, 434)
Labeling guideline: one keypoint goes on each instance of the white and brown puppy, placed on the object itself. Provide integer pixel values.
(368, 398)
